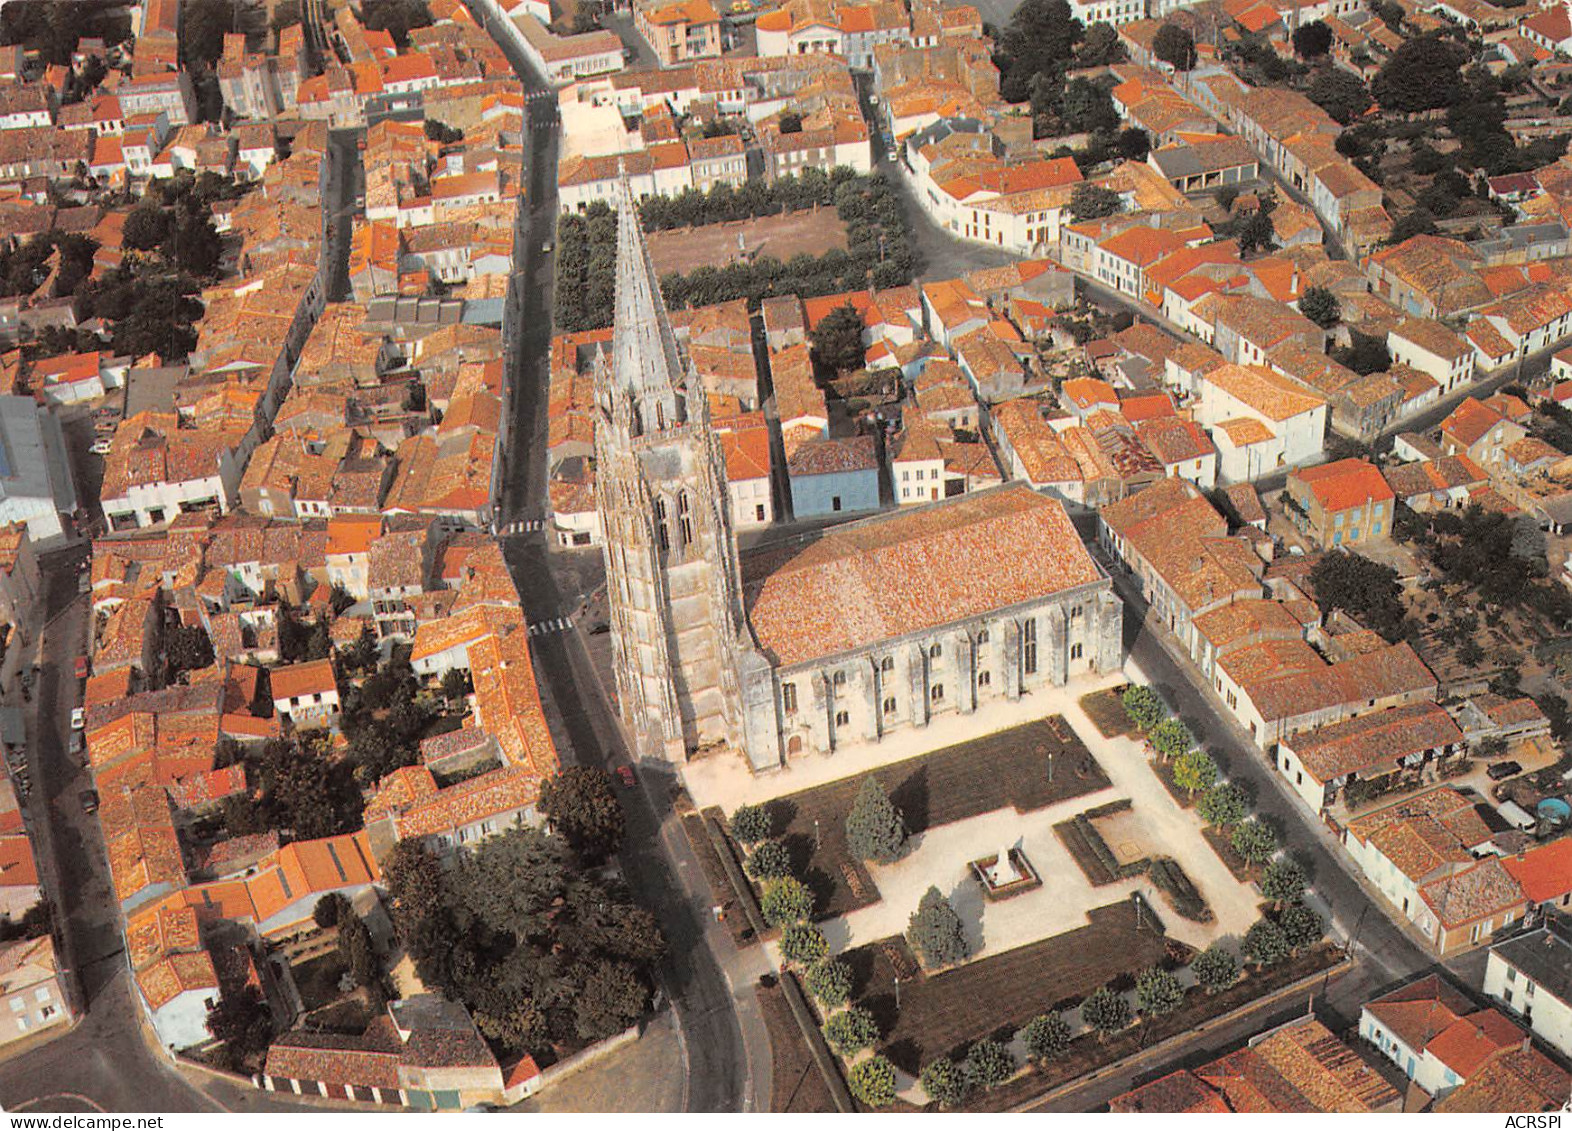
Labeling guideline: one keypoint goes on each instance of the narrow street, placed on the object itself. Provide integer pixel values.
(726, 1048)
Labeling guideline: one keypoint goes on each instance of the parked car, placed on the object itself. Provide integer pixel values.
(625, 775)
(100, 447)
(1500, 771)
(89, 801)
(78, 718)
(81, 667)
(76, 744)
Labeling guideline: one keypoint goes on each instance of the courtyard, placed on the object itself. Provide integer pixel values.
(965, 797)
(942, 797)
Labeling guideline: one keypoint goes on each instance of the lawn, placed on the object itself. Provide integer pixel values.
(317, 980)
(795, 1082)
(1106, 710)
(939, 1014)
(997, 771)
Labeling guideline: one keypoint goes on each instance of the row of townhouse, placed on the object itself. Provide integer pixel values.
(854, 32)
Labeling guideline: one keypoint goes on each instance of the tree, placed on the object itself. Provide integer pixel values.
(1101, 47)
(1170, 738)
(612, 998)
(1158, 992)
(1321, 306)
(1215, 968)
(413, 875)
(1174, 46)
(1422, 74)
(1134, 144)
(786, 901)
(989, 1063)
(1264, 943)
(751, 824)
(1195, 771)
(874, 829)
(1283, 881)
(872, 1081)
(1364, 354)
(830, 981)
(1254, 232)
(1312, 40)
(803, 944)
(1046, 1037)
(1255, 841)
(849, 1031)
(359, 952)
(1341, 94)
(244, 1023)
(1366, 590)
(285, 14)
(1087, 107)
(1417, 221)
(1105, 1011)
(203, 24)
(146, 227)
(1091, 202)
(837, 339)
(456, 685)
(331, 908)
(769, 860)
(583, 807)
(188, 648)
(1142, 706)
(790, 122)
(1039, 42)
(1222, 805)
(935, 931)
(193, 244)
(945, 1082)
(1301, 927)
(396, 17)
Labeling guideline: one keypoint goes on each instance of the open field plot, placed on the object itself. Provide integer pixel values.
(811, 232)
(1087, 1053)
(1009, 769)
(795, 1082)
(940, 1013)
(1106, 710)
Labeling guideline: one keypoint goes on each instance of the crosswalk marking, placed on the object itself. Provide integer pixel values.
(523, 526)
(555, 624)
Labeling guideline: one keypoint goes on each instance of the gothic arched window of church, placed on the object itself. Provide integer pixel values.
(660, 525)
(685, 519)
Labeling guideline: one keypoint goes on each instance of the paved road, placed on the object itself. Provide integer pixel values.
(724, 1043)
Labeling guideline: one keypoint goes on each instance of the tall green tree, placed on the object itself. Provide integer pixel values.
(874, 827)
(1195, 771)
(1105, 1012)
(1174, 46)
(583, 806)
(935, 931)
(1158, 992)
(1255, 841)
(1424, 73)
(872, 1081)
(837, 339)
(1045, 1037)
(1321, 306)
(1215, 968)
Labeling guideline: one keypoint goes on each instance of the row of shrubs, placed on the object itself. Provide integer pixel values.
(787, 903)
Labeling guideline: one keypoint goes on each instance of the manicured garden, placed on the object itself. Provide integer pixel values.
(1010, 769)
(938, 1014)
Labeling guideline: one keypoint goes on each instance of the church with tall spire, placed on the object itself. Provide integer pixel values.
(820, 641)
(671, 557)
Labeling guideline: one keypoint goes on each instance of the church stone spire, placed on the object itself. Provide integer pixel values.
(645, 361)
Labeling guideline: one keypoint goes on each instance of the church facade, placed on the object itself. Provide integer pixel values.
(808, 645)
